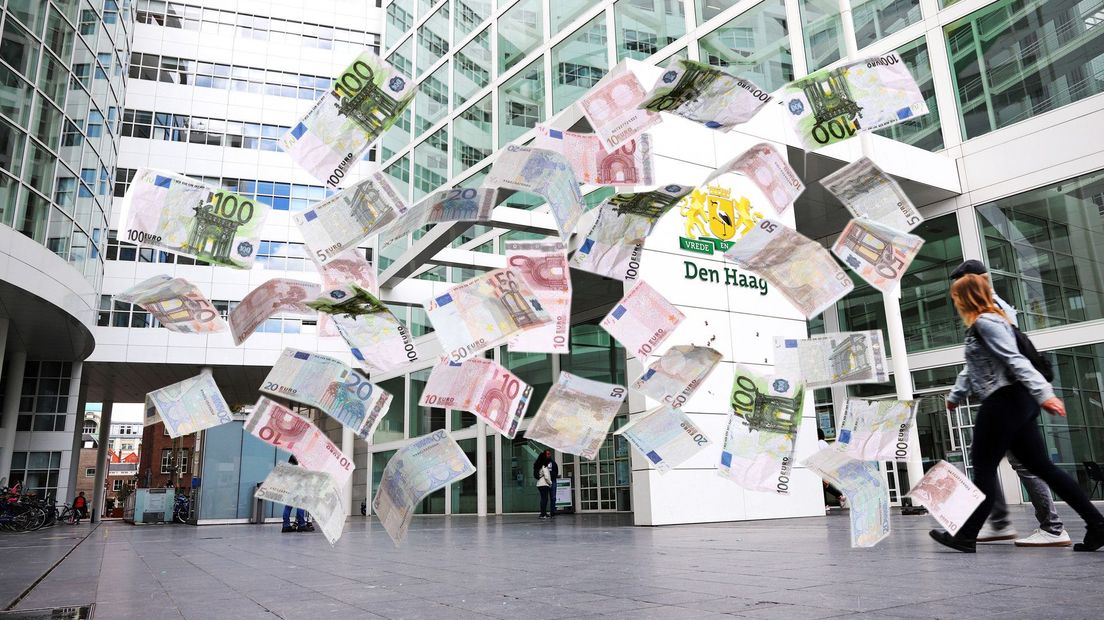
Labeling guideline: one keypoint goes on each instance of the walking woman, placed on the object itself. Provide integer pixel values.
(1011, 391)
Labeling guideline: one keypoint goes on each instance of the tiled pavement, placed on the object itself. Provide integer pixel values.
(517, 567)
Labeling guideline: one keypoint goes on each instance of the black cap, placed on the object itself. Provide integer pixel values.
(971, 266)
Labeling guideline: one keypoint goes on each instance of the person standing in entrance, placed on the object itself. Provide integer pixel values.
(1051, 532)
(543, 468)
(301, 524)
(1011, 391)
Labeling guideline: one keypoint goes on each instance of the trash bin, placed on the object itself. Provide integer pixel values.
(258, 513)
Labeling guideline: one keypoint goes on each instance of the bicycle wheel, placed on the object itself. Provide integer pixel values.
(22, 522)
(38, 517)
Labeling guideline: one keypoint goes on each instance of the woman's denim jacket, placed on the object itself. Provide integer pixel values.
(996, 363)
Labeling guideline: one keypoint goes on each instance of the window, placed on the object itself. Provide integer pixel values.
(227, 77)
(921, 131)
(471, 68)
(1015, 59)
(469, 14)
(183, 460)
(823, 32)
(522, 102)
(117, 485)
(431, 102)
(765, 58)
(89, 472)
(166, 461)
(643, 28)
(278, 195)
(38, 471)
(471, 136)
(1043, 251)
(433, 38)
(44, 399)
(520, 31)
(397, 22)
(579, 62)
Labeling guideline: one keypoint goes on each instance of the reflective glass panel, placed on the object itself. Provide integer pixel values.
(521, 102)
(471, 68)
(922, 131)
(403, 58)
(399, 19)
(431, 101)
(1015, 59)
(520, 31)
(433, 38)
(753, 45)
(431, 163)
(875, 19)
(471, 136)
(578, 62)
(467, 15)
(396, 138)
(563, 12)
(708, 9)
(391, 426)
(646, 26)
(820, 25)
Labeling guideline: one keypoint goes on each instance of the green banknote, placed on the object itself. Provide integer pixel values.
(832, 105)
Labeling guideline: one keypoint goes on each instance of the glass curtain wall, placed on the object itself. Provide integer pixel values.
(754, 45)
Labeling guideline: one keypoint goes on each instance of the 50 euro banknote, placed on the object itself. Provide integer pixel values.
(364, 101)
(878, 253)
(188, 406)
(281, 427)
(313, 491)
(482, 387)
(344, 220)
(188, 217)
(484, 312)
(576, 415)
(832, 105)
(797, 266)
(277, 296)
(178, 305)
(542, 265)
(428, 463)
(343, 393)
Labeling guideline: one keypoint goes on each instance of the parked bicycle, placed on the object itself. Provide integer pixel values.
(22, 513)
(182, 508)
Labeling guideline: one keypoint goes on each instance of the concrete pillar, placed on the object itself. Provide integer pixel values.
(74, 458)
(9, 415)
(66, 484)
(902, 379)
(347, 445)
(3, 342)
(101, 461)
(480, 467)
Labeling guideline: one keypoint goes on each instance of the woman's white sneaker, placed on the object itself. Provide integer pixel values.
(1043, 538)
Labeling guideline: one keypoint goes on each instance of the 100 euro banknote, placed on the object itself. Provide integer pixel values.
(868, 192)
(797, 266)
(878, 253)
(281, 427)
(642, 320)
(188, 217)
(482, 387)
(313, 491)
(677, 374)
(758, 450)
(666, 437)
(320, 381)
(277, 296)
(831, 105)
(344, 220)
(866, 490)
(705, 94)
(375, 336)
(429, 463)
(629, 164)
(614, 247)
(576, 415)
(543, 267)
(876, 430)
(176, 304)
(612, 108)
(188, 406)
(948, 494)
(484, 312)
(363, 102)
(447, 205)
(838, 358)
(544, 173)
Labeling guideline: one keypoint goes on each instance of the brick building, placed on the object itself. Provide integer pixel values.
(157, 463)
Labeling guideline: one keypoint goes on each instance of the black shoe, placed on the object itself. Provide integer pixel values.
(288, 528)
(1094, 539)
(945, 539)
(305, 528)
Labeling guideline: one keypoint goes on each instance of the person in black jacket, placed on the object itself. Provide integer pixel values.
(301, 524)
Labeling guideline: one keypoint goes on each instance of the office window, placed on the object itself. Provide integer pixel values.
(520, 31)
(820, 25)
(397, 22)
(471, 68)
(875, 19)
(431, 163)
(469, 14)
(753, 45)
(38, 471)
(1043, 251)
(521, 102)
(920, 131)
(646, 26)
(433, 38)
(579, 62)
(1015, 59)
(431, 102)
(471, 136)
(117, 485)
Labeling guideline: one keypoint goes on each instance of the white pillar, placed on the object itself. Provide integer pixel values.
(98, 494)
(10, 413)
(480, 467)
(902, 377)
(347, 445)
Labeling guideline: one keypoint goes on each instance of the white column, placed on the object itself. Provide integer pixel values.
(902, 377)
(347, 439)
(3, 343)
(101, 461)
(10, 413)
(480, 467)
